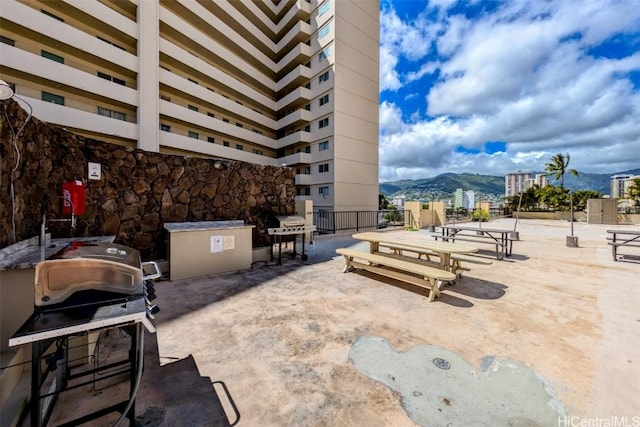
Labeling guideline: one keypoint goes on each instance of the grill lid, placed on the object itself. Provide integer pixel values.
(291, 221)
(88, 266)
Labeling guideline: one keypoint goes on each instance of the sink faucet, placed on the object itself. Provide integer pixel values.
(43, 226)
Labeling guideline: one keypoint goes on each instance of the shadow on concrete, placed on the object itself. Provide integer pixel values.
(478, 288)
(176, 394)
(419, 290)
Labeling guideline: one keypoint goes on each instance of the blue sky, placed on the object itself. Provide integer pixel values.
(491, 87)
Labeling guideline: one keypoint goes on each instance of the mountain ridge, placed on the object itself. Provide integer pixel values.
(493, 184)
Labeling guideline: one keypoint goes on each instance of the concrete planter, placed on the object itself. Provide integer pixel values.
(572, 241)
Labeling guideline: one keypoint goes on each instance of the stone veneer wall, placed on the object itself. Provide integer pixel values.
(139, 191)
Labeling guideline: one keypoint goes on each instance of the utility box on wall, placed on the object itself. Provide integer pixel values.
(602, 211)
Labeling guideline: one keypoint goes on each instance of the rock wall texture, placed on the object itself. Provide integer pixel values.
(138, 192)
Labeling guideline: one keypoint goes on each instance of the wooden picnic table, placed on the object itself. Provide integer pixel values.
(618, 238)
(499, 237)
(444, 250)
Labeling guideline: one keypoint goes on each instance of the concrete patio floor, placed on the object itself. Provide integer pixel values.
(281, 338)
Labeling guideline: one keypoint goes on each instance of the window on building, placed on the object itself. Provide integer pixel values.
(111, 43)
(7, 40)
(307, 107)
(324, 7)
(324, 54)
(324, 31)
(239, 124)
(307, 149)
(323, 191)
(192, 107)
(324, 99)
(50, 97)
(307, 191)
(324, 145)
(52, 56)
(323, 168)
(51, 15)
(210, 114)
(165, 128)
(308, 85)
(307, 128)
(192, 134)
(239, 147)
(259, 132)
(165, 98)
(256, 151)
(323, 123)
(307, 170)
(225, 120)
(111, 78)
(113, 114)
(225, 143)
(211, 139)
(324, 77)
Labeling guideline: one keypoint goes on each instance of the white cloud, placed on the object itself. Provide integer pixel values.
(520, 74)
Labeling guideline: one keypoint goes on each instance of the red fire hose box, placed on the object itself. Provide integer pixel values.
(73, 194)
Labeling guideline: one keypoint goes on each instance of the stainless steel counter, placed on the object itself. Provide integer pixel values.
(28, 253)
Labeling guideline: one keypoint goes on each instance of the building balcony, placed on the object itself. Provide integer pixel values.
(296, 98)
(300, 136)
(298, 76)
(296, 159)
(303, 179)
(299, 117)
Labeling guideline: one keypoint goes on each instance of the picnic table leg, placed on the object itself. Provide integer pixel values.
(347, 263)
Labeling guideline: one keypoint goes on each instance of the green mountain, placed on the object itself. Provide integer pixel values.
(489, 184)
(446, 183)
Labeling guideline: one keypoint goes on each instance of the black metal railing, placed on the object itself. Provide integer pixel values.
(331, 221)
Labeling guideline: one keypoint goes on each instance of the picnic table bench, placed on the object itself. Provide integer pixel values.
(455, 267)
(422, 275)
(623, 238)
(500, 238)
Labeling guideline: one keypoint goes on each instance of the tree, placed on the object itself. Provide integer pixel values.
(383, 203)
(558, 167)
(580, 198)
(554, 198)
(634, 191)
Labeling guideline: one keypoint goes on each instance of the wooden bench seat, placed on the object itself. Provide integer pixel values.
(430, 278)
(456, 268)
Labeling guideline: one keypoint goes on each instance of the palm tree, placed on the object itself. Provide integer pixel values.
(558, 167)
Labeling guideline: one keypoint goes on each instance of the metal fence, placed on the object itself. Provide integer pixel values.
(331, 221)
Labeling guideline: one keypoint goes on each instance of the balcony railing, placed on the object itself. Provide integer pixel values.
(331, 221)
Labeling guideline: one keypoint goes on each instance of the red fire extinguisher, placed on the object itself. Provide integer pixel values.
(73, 200)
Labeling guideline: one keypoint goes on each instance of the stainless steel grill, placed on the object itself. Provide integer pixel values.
(293, 226)
(88, 266)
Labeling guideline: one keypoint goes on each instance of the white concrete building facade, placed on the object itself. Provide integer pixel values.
(289, 82)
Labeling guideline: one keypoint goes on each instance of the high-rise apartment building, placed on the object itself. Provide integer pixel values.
(515, 182)
(620, 185)
(291, 82)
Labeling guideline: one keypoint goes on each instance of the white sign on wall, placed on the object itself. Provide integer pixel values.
(95, 171)
(217, 244)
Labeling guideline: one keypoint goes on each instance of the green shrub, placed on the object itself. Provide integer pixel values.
(480, 215)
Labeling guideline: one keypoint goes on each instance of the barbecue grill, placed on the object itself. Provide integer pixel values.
(88, 266)
(291, 225)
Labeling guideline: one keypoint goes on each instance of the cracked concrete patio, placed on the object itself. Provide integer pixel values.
(279, 337)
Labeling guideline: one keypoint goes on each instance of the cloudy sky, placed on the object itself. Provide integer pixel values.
(490, 86)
